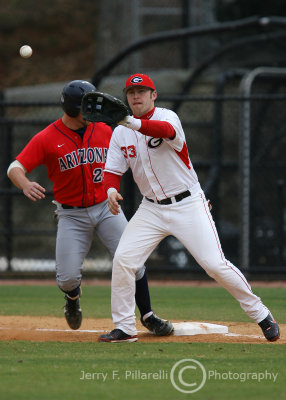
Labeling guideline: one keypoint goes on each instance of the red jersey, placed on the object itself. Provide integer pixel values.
(75, 165)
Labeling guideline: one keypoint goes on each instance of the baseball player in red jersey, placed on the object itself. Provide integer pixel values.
(74, 152)
(152, 143)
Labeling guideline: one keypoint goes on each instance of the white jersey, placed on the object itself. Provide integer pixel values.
(161, 167)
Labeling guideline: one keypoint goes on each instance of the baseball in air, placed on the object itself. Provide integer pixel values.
(26, 51)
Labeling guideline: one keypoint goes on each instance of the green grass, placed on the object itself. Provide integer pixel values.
(31, 370)
(49, 300)
(55, 370)
(213, 303)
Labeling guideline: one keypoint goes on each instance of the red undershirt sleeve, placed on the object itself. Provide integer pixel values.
(158, 129)
(111, 181)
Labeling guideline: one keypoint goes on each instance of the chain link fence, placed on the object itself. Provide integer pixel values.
(198, 67)
(212, 125)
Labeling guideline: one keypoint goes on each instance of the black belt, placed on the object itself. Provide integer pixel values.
(66, 206)
(177, 198)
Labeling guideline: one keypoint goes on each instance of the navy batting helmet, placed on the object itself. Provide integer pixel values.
(72, 95)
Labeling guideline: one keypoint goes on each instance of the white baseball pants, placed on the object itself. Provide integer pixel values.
(190, 221)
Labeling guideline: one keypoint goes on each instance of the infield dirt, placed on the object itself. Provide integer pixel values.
(44, 329)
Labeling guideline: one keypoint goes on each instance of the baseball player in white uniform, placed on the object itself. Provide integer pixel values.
(152, 143)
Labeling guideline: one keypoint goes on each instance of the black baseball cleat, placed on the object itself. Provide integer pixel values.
(161, 327)
(270, 328)
(117, 336)
(73, 312)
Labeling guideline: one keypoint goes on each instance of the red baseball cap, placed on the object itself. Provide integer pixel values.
(139, 80)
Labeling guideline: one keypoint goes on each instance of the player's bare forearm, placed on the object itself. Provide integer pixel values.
(113, 205)
(32, 190)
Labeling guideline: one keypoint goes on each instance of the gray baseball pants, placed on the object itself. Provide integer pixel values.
(76, 228)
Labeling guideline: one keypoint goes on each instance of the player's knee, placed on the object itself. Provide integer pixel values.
(123, 260)
(210, 266)
(69, 284)
(215, 268)
(119, 257)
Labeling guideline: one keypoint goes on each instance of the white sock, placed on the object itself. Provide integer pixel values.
(147, 315)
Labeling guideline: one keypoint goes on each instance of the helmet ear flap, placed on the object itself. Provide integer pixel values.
(69, 107)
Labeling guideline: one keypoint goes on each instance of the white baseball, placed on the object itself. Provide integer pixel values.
(26, 51)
